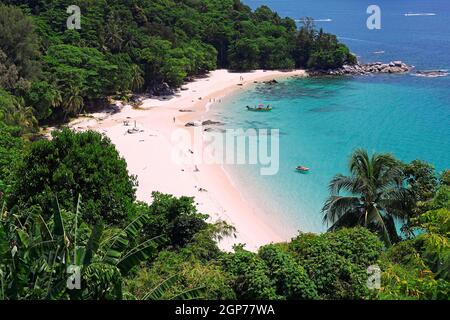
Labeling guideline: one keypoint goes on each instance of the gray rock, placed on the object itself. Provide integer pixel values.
(211, 123)
(365, 69)
(192, 124)
(162, 89)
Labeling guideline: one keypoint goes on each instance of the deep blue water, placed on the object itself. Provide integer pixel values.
(323, 120)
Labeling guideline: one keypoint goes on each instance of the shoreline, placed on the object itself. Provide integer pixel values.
(148, 152)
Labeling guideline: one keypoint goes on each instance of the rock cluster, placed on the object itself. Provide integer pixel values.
(162, 89)
(271, 82)
(204, 123)
(365, 69)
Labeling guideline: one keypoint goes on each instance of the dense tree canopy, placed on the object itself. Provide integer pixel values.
(126, 46)
(19, 46)
(72, 164)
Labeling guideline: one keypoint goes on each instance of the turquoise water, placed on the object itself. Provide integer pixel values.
(322, 121)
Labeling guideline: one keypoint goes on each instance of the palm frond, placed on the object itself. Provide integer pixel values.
(93, 244)
(58, 226)
(336, 206)
(77, 213)
(139, 254)
(347, 220)
(341, 182)
(375, 219)
(192, 294)
(158, 292)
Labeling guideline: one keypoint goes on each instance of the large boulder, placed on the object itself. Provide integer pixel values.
(162, 89)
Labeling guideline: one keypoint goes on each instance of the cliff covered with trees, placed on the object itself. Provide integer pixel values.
(127, 46)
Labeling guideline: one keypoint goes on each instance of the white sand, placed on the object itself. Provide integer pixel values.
(149, 155)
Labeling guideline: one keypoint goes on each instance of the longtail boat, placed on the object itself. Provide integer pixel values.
(303, 169)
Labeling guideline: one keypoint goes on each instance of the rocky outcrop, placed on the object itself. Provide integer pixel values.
(193, 124)
(211, 123)
(162, 89)
(365, 69)
(204, 123)
(271, 82)
(215, 130)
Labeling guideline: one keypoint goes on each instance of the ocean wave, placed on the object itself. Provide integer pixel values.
(358, 40)
(410, 14)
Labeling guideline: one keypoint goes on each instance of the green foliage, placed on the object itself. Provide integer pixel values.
(175, 218)
(358, 245)
(80, 74)
(251, 275)
(422, 180)
(11, 148)
(19, 42)
(44, 98)
(419, 268)
(136, 45)
(406, 276)
(319, 50)
(14, 114)
(36, 254)
(291, 279)
(401, 283)
(244, 54)
(47, 71)
(445, 178)
(190, 274)
(71, 164)
(374, 196)
(337, 261)
(434, 244)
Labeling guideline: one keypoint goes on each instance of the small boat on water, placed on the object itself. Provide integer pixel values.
(260, 107)
(303, 169)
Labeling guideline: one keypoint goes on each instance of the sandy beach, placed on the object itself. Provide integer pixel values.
(148, 150)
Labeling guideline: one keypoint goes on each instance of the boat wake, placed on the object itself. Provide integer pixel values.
(409, 14)
(431, 73)
(316, 20)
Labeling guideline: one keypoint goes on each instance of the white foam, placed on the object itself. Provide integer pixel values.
(323, 20)
(409, 14)
(317, 20)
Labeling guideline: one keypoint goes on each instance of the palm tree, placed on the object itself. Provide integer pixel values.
(374, 196)
(73, 102)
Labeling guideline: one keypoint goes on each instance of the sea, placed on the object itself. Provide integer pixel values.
(321, 121)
